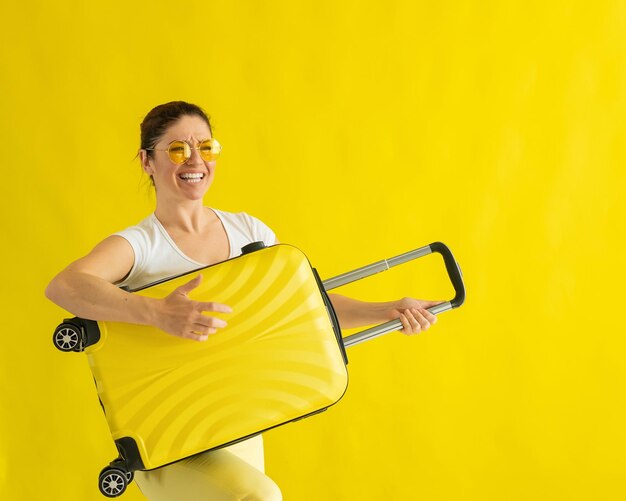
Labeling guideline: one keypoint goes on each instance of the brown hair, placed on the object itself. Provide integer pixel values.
(161, 117)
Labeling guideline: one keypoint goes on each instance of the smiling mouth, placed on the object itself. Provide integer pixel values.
(192, 177)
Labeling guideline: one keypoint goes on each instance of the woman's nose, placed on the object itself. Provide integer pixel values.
(195, 157)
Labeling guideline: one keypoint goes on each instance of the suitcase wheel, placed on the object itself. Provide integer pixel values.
(67, 337)
(113, 482)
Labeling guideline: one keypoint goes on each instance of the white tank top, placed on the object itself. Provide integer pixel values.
(158, 257)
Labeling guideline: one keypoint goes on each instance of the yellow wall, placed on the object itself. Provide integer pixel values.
(357, 131)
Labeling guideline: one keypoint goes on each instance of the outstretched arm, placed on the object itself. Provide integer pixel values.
(86, 289)
(411, 312)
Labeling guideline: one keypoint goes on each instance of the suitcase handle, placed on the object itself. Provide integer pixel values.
(452, 267)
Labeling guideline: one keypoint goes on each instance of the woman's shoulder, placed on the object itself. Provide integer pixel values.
(238, 218)
(145, 233)
(249, 226)
(147, 224)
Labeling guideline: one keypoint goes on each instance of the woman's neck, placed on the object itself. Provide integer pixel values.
(190, 216)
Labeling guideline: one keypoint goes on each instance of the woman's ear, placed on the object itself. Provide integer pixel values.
(146, 164)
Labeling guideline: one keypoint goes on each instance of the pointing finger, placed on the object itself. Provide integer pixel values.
(189, 286)
(217, 307)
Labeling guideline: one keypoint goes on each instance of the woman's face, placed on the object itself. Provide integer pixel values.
(191, 180)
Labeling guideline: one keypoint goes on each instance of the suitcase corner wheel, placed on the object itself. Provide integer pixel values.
(75, 334)
(68, 337)
(114, 479)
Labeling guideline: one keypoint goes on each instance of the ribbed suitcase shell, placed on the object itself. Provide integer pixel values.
(278, 359)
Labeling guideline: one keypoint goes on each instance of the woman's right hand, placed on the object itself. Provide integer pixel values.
(180, 316)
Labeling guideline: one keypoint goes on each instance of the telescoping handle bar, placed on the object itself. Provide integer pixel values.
(454, 272)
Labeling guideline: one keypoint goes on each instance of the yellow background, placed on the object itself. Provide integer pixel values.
(356, 130)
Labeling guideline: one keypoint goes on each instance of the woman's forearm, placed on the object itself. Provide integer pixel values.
(354, 313)
(413, 313)
(91, 297)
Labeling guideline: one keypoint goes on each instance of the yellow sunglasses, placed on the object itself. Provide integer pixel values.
(180, 151)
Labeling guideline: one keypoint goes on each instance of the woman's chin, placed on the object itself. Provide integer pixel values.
(195, 191)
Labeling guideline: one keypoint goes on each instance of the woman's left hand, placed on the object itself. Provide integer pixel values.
(413, 314)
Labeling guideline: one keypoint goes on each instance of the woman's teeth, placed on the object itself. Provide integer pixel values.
(192, 177)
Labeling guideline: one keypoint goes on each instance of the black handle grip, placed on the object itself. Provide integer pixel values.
(454, 272)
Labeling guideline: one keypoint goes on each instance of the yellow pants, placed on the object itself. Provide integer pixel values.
(228, 474)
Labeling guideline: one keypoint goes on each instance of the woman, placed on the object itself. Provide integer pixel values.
(179, 154)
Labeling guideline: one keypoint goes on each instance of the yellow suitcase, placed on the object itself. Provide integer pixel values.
(281, 358)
